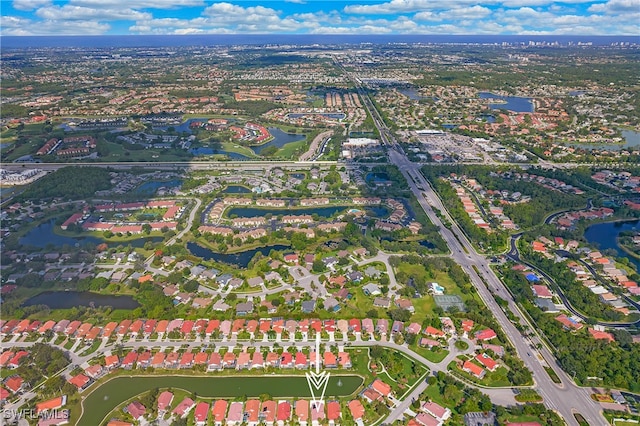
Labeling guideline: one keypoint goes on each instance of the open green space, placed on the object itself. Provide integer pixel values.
(112, 393)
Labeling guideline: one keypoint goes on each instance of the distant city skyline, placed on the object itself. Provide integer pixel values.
(120, 17)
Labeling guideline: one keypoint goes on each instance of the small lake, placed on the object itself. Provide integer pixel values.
(256, 211)
(205, 150)
(152, 186)
(331, 115)
(604, 236)
(279, 140)
(236, 189)
(240, 259)
(42, 236)
(376, 177)
(631, 140)
(511, 103)
(488, 118)
(411, 93)
(103, 399)
(71, 299)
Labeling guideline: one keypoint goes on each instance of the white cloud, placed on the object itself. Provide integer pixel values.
(138, 4)
(69, 12)
(12, 25)
(29, 4)
(617, 6)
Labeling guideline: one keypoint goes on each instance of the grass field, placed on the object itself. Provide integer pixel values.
(112, 393)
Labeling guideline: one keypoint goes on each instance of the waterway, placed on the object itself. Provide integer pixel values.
(43, 236)
(152, 186)
(236, 189)
(99, 403)
(279, 140)
(511, 103)
(631, 140)
(71, 299)
(240, 259)
(605, 235)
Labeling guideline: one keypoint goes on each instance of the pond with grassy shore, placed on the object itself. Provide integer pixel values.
(100, 402)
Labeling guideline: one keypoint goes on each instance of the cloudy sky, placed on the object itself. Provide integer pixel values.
(532, 17)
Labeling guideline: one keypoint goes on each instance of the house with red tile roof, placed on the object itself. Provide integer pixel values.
(473, 369)
(486, 334)
(187, 360)
(212, 326)
(487, 362)
(129, 360)
(370, 395)
(354, 325)
(381, 387)
(219, 411)
(433, 332)
(301, 361)
(14, 362)
(268, 412)
(541, 291)
(286, 360)
(436, 410)
(184, 407)
(235, 414)
(95, 371)
(135, 410)
(414, 328)
(601, 335)
(111, 362)
(80, 381)
(257, 360)
(200, 358)
(284, 413)
(229, 360)
(46, 326)
(158, 360)
(244, 361)
(333, 412)
(273, 360)
(568, 323)
(164, 402)
(329, 360)
(252, 409)
(317, 413)
(51, 404)
(344, 359)
(425, 419)
(5, 357)
(14, 383)
(201, 413)
(429, 343)
(302, 411)
(4, 394)
(357, 409)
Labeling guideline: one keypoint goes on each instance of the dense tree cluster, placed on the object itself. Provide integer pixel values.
(75, 183)
(615, 363)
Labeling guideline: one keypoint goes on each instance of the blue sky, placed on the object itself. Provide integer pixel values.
(532, 17)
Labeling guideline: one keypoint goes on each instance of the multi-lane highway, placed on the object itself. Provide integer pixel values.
(565, 398)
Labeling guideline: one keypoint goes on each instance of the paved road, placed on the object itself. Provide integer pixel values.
(567, 398)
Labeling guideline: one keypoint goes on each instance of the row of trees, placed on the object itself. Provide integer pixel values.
(614, 364)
